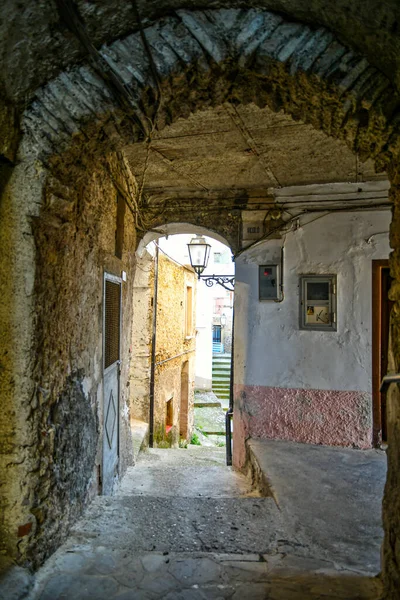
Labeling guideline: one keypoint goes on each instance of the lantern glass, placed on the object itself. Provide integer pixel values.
(199, 253)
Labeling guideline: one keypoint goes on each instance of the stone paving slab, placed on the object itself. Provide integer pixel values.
(84, 572)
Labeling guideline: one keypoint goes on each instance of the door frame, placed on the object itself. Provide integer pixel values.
(115, 279)
(377, 304)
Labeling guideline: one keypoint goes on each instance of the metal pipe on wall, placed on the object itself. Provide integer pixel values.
(229, 414)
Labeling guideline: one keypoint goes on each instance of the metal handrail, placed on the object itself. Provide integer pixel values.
(387, 380)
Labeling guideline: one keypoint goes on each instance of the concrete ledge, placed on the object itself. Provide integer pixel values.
(140, 436)
(329, 498)
(259, 478)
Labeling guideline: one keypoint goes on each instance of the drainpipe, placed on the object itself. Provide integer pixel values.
(281, 292)
(153, 352)
(229, 414)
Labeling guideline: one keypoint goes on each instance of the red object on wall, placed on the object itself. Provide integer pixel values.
(24, 529)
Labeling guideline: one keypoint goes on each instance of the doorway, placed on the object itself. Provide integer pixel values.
(381, 307)
(111, 340)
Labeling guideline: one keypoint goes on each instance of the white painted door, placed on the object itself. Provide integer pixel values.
(111, 355)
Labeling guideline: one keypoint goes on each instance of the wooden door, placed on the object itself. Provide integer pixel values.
(111, 353)
(381, 307)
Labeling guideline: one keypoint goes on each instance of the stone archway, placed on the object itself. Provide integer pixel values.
(202, 59)
(206, 58)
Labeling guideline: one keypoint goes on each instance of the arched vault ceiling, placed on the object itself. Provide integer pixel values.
(35, 45)
(243, 148)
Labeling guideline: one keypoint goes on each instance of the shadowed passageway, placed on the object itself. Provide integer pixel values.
(184, 526)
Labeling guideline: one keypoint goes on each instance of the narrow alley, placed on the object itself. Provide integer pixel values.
(200, 315)
(183, 526)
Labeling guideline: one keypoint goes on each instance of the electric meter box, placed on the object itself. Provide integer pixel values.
(318, 302)
(269, 284)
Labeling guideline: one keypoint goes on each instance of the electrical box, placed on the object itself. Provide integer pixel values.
(318, 302)
(269, 284)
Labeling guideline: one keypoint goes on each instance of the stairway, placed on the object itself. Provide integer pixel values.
(221, 375)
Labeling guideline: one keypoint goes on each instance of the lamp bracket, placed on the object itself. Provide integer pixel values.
(226, 281)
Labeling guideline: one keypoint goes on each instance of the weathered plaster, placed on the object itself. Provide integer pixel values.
(329, 417)
(20, 201)
(59, 236)
(308, 386)
(272, 350)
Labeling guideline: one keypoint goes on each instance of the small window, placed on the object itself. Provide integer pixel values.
(189, 311)
(318, 302)
(112, 317)
(217, 334)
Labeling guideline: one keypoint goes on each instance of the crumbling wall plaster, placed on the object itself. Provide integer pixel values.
(309, 386)
(59, 234)
(21, 200)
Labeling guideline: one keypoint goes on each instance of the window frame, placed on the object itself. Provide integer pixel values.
(305, 302)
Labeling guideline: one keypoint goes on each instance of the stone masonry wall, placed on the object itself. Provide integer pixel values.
(75, 239)
(142, 328)
(55, 441)
(173, 341)
(21, 197)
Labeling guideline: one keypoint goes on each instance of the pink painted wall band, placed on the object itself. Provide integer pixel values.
(327, 417)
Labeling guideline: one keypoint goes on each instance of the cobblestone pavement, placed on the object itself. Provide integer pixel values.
(185, 527)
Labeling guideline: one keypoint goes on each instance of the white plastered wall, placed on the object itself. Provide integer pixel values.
(270, 349)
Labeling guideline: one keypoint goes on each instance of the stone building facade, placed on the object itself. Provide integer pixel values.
(174, 352)
(82, 111)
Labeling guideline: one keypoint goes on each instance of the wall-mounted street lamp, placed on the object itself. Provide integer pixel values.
(199, 254)
(222, 320)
